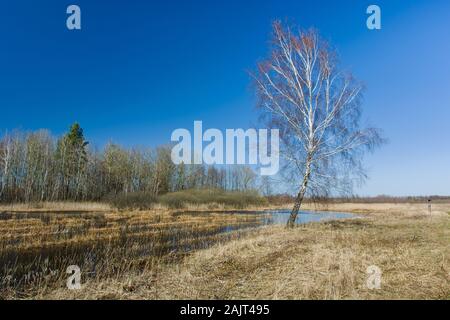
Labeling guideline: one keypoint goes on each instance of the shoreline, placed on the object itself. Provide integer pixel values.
(362, 208)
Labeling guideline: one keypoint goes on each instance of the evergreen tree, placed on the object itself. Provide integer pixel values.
(72, 158)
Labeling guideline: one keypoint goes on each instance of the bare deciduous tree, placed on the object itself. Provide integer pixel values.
(317, 109)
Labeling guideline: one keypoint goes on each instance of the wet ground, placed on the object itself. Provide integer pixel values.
(38, 246)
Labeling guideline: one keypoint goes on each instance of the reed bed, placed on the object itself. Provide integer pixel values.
(37, 247)
(327, 260)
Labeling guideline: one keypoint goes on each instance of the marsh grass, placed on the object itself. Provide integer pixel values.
(315, 261)
(59, 206)
(162, 254)
(36, 247)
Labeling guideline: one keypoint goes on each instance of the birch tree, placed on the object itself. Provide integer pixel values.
(5, 164)
(317, 108)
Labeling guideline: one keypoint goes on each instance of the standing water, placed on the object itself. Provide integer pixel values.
(282, 216)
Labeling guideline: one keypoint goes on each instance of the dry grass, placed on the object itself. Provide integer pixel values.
(317, 261)
(55, 206)
(36, 247)
(389, 209)
(61, 207)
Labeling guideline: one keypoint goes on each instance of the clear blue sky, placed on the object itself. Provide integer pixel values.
(139, 69)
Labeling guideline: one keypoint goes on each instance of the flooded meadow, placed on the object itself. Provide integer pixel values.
(36, 248)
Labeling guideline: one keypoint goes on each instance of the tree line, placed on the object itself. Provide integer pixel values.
(36, 166)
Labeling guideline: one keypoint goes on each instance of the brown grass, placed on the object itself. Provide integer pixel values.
(61, 207)
(55, 206)
(388, 209)
(37, 247)
(317, 261)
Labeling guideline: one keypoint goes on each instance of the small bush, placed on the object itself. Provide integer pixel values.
(281, 199)
(181, 199)
(235, 199)
(178, 200)
(134, 200)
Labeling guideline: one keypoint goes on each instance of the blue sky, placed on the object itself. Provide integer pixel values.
(140, 69)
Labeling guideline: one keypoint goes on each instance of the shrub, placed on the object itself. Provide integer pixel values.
(281, 199)
(181, 199)
(134, 200)
(235, 199)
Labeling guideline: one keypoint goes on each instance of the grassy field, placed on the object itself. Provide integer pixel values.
(317, 261)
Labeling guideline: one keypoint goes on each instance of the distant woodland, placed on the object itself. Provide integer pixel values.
(36, 166)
